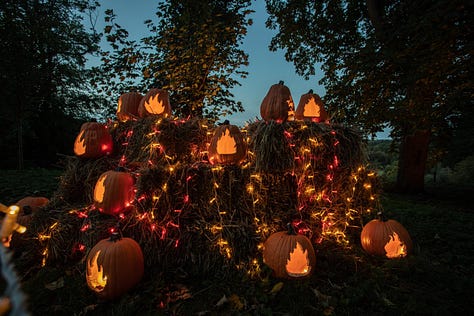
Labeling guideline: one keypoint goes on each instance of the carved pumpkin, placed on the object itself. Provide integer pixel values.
(155, 102)
(114, 192)
(311, 107)
(114, 266)
(278, 104)
(128, 106)
(28, 205)
(289, 255)
(93, 141)
(227, 145)
(386, 238)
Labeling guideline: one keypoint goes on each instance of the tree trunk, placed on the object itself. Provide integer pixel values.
(412, 162)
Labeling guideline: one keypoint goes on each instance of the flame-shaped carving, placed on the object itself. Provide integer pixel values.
(226, 144)
(298, 265)
(154, 106)
(99, 189)
(79, 147)
(311, 108)
(395, 248)
(96, 278)
(119, 108)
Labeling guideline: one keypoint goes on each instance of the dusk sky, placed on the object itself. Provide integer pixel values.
(265, 67)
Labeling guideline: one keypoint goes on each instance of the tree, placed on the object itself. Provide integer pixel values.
(43, 53)
(193, 52)
(401, 64)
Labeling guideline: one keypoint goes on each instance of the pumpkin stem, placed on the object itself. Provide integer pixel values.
(116, 233)
(281, 82)
(291, 229)
(120, 169)
(310, 91)
(226, 122)
(381, 216)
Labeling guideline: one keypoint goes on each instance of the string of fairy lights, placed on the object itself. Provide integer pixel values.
(328, 200)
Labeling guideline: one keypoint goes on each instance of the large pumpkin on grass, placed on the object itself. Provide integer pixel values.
(93, 141)
(29, 205)
(278, 104)
(114, 192)
(386, 238)
(227, 145)
(128, 106)
(311, 107)
(155, 102)
(114, 266)
(289, 255)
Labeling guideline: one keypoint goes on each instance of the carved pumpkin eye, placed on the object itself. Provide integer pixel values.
(155, 102)
(289, 255)
(386, 238)
(108, 278)
(227, 145)
(93, 141)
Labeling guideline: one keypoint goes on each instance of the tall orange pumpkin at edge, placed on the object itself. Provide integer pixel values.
(127, 108)
(114, 266)
(278, 104)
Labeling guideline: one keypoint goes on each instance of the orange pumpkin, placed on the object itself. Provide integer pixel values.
(227, 145)
(128, 106)
(114, 266)
(155, 102)
(93, 141)
(311, 107)
(114, 192)
(278, 104)
(386, 238)
(28, 205)
(289, 255)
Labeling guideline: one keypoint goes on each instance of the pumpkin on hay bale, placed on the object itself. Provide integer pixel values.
(206, 217)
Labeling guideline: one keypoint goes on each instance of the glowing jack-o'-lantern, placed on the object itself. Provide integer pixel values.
(114, 192)
(289, 255)
(128, 106)
(386, 238)
(278, 104)
(155, 102)
(114, 266)
(227, 145)
(311, 107)
(93, 141)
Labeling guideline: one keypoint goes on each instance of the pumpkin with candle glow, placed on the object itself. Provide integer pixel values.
(311, 107)
(227, 145)
(278, 104)
(289, 255)
(128, 106)
(155, 102)
(386, 238)
(114, 192)
(93, 141)
(114, 266)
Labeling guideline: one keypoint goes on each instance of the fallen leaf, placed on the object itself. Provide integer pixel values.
(222, 301)
(59, 283)
(277, 287)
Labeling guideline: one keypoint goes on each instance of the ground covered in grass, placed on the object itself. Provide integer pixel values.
(437, 279)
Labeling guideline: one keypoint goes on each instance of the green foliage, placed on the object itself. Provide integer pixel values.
(193, 52)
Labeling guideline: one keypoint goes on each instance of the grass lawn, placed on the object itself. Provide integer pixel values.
(437, 279)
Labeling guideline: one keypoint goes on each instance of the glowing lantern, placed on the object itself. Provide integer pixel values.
(93, 141)
(386, 238)
(128, 106)
(227, 145)
(114, 266)
(289, 255)
(155, 102)
(311, 107)
(278, 104)
(114, 192)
